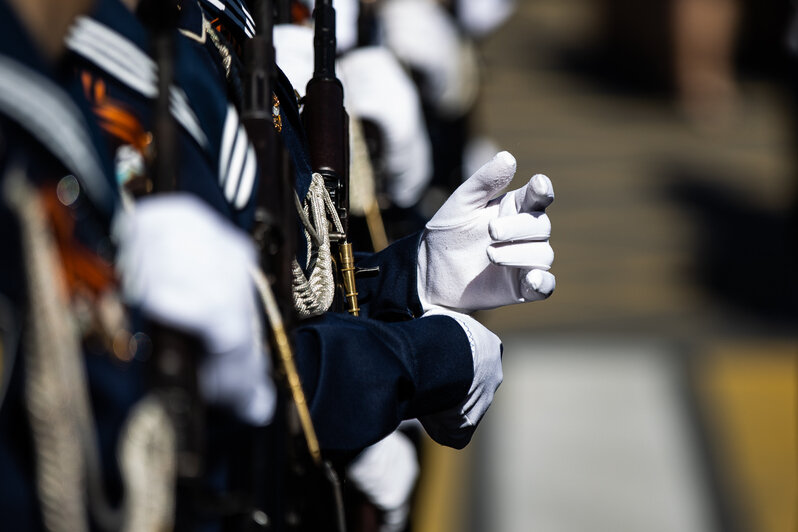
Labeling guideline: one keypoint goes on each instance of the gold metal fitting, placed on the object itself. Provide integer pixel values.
(348, 277)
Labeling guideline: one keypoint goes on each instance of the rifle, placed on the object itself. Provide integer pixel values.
(301, 473)
(174, 369)
(327, 128)
(283, 11)
(274, 211)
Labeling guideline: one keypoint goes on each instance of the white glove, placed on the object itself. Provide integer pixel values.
(425, 38)
(347, 13)
(481, 253)
(378, 89)
(386, 474)
(188, 268)
(293, 53)
(455, 426)
(480, 17)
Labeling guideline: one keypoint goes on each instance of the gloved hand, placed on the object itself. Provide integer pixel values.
(481, 253)
(481, 17)
(378, 89)
(454, 427)
(424, 36)
(386, 474)
(188, 268)
(293, 52)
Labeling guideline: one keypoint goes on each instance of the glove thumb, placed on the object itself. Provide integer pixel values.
(479, 189)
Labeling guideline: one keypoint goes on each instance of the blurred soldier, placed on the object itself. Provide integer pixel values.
(481, 17)
(53, 178)
(67, 358)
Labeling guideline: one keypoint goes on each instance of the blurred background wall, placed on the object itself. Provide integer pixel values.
(656, 389)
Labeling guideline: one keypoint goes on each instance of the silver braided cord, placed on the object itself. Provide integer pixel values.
(148, 459)
(313, 295)
(55, 383)
(224, 52)
(68, 467)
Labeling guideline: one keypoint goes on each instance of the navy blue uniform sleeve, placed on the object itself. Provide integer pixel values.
(363, 377)
(391, 294)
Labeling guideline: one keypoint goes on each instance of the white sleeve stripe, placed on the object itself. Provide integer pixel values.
(224, 175)
(247, 181)
(229, 133)
(241, 6)
(109, 59)
(239, 14)
(249, 17)
(178, 103)
(236, 164)
(100, 56)
(41, 108)
(238, 9)
(127, 52)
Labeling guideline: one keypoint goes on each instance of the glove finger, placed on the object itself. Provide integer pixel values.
(537, 285)
(536, 196)
(486, 182)
(527, 255)
(525, 226)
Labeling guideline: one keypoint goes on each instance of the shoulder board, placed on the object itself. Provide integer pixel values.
(42, 108)
(119, 57)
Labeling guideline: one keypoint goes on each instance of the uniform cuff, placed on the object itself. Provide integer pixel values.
(443, 364)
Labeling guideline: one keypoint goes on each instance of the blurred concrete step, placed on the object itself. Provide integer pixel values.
(593, 436)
